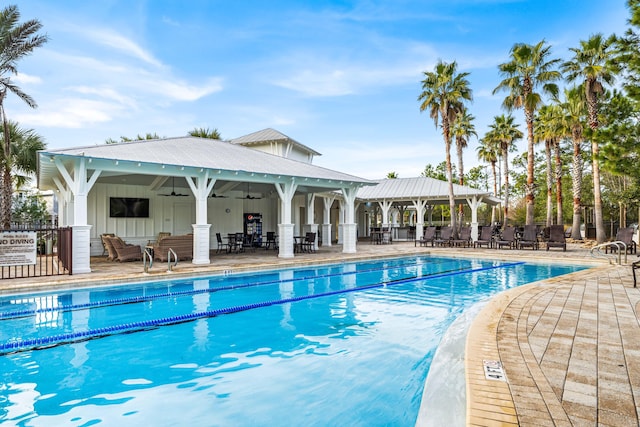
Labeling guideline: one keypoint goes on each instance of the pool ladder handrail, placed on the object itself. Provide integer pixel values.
(146, 254)
(618, 244)
(175, 258)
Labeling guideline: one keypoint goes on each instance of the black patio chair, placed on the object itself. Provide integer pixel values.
(445, 237)
(529, 238)
(624, 235)
(221, 244)
(428, 236)
(507, 238)
(556, 238)
(486, 238)
(464, 237)
(271, 240)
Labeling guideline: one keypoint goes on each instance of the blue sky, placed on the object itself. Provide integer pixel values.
(339, 76)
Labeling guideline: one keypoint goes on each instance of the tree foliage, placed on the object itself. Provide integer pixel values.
(17, 40)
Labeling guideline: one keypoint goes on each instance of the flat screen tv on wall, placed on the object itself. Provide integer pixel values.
(128, 207)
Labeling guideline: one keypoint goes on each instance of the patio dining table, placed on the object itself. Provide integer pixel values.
(235, 242)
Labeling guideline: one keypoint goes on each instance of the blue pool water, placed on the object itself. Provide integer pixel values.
(346, 344)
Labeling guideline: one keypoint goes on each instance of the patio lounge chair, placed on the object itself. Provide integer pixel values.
(464, 238)
(486, 238)
(567, 232)
(445, 237)
(107, 246)
(429, 235)
(624, 235)
(529, 237)
(125, 251)
(507, 238)
(556, 238)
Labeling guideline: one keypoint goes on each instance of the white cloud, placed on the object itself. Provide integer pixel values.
(181, 91)
(123, 44)
(70, 113)
(106, 93)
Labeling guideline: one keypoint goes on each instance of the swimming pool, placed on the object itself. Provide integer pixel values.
(346, 344)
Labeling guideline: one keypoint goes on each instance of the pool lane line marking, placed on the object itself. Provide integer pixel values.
(62, 339)
(10, 315)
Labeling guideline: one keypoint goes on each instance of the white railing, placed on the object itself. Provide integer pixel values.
(620, 246)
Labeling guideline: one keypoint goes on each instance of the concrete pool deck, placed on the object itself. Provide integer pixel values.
(569, 346)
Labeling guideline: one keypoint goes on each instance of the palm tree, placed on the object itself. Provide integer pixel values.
(547, 130)
(392, 175)
(138, 137)
(25, 144)
(443, 93)
(573, 120)
(17, 40)
(205, 133)
(505, 132)
(489, 151)
(528, 70)
(556, 132)
(462, 129)
(591, 63)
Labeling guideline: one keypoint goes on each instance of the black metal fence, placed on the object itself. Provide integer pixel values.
(54, 252)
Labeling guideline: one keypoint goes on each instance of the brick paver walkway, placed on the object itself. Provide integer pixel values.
(570, 348)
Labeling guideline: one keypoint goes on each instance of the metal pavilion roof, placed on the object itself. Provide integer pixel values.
(270, 135)
(188, 156)
(409, 189)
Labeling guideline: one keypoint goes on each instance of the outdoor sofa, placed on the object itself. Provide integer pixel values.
(182, 245)
(121, 251)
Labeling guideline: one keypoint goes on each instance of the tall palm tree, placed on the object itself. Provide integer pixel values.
(17, 40)
(574, 108)
(488, 152)
(556, 132)
(548, 130)
(529, 69)
(506, 133)
(462, 129)
(591, 64)
(444, 91)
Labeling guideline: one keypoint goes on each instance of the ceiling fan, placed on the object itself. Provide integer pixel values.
(217, 196)
(173, 190)
(249, 196)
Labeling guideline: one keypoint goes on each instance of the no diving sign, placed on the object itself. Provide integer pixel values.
(493, 370)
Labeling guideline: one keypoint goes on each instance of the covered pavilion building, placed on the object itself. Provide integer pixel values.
(204, 186)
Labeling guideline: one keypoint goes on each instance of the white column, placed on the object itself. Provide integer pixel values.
(81, 231)
(340, 220)
(386, 207)
(285, 191)
(349, 228)
(326, 221)
(420, 208)
(201, 229)
(474, 202)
